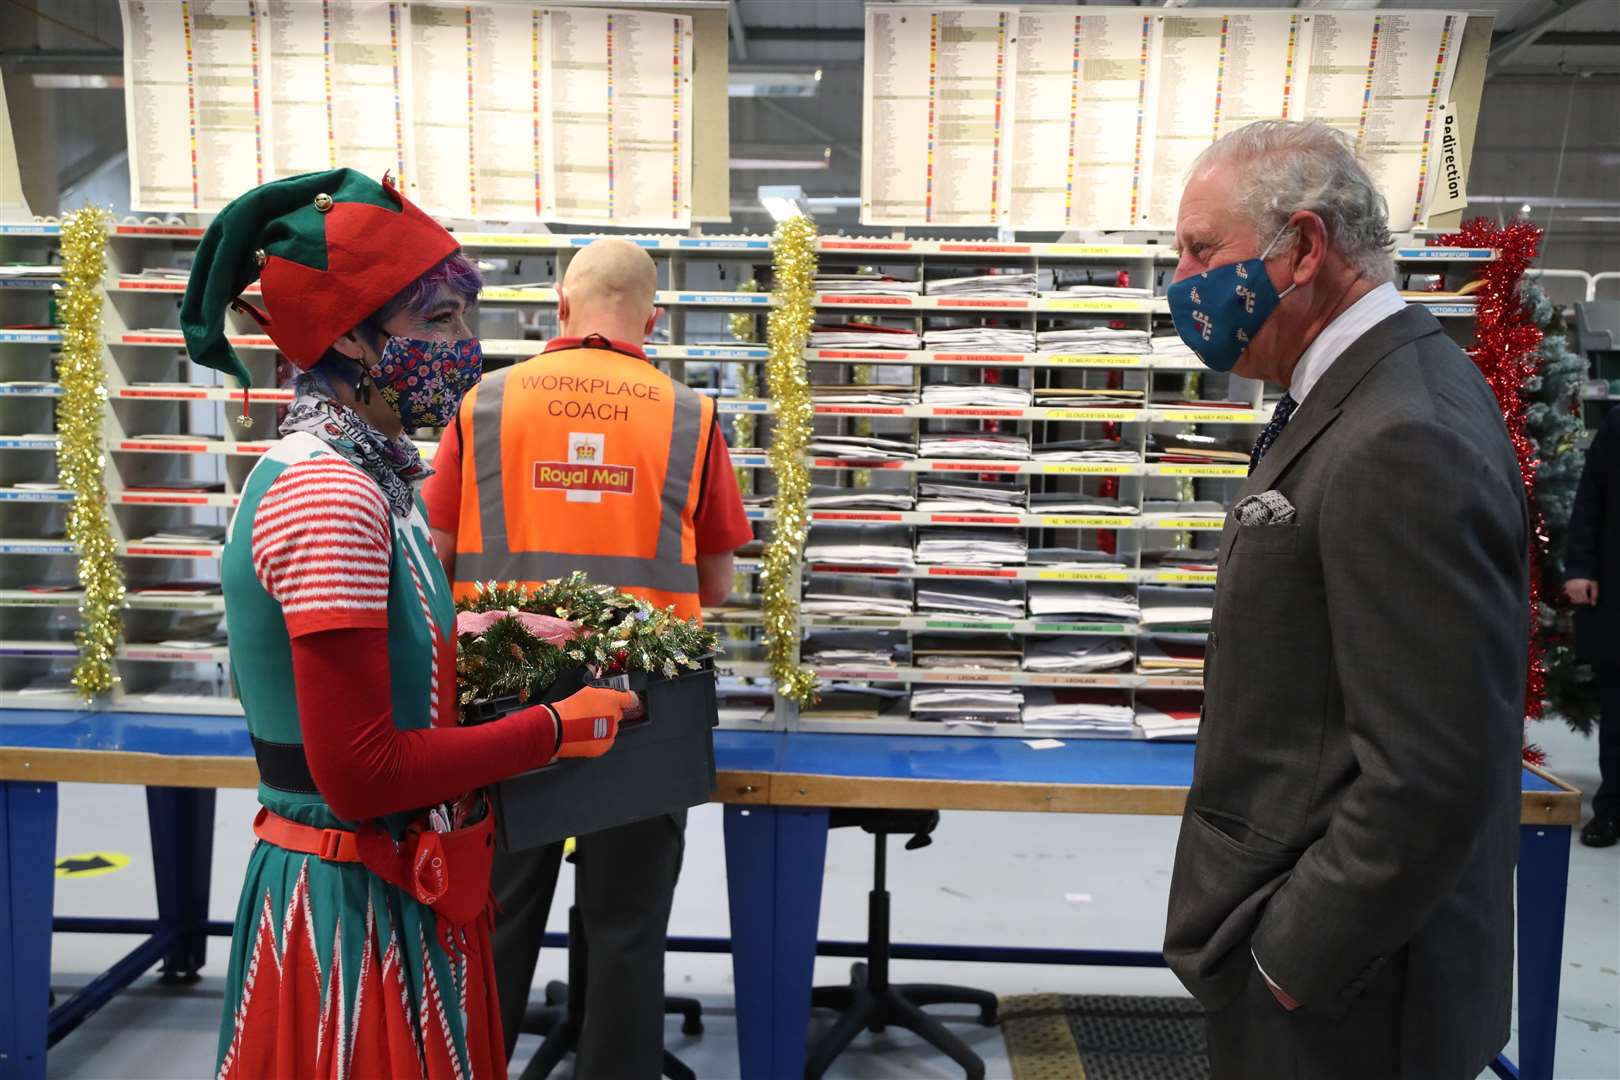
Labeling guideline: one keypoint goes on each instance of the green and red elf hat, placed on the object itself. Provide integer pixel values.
(328, 249)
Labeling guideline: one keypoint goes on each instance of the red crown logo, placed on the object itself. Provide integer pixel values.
(585, 452)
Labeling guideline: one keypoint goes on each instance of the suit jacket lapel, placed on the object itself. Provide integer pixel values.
(1327, 399)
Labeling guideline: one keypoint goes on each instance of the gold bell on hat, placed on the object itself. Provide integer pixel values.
(323, 202)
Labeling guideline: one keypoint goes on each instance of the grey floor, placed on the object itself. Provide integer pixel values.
(1021, 879)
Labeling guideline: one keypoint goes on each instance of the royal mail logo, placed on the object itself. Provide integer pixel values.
(582, 476)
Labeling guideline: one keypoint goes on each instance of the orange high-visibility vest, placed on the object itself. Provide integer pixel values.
(583, 459)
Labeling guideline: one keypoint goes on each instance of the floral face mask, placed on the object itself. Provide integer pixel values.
(424, 381)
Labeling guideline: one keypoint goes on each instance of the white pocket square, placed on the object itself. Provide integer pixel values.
(1266, 508)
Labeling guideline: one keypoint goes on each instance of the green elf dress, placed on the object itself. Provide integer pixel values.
(335, 972)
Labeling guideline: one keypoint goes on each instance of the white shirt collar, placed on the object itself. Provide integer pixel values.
(1340, 334)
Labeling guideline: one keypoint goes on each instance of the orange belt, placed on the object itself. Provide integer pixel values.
(333, 845)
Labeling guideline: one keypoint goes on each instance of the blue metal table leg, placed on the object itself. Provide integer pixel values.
(751, 890)
(1543, 888)
(182, 824)
(801, 862)
(27, 894)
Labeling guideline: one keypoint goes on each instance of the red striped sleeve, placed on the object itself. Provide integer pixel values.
(321, 541)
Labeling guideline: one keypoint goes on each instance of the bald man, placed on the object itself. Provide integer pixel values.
(609, 280)
(587, 457)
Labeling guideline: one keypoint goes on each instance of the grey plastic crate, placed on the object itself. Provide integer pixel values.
(656, 766)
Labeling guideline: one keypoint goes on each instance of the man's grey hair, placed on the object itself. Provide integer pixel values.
(1283, 166)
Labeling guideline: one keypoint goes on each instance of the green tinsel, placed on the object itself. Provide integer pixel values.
(861, 375)
(621, 634)
(1553, 423)
(744, 429)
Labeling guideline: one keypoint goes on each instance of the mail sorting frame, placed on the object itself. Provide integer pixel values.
(912, 259)
(1039, 313)
(958, 259)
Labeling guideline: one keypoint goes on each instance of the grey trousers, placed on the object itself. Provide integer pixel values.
(624, 882)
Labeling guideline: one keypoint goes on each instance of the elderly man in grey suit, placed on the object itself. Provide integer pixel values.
(1342, 897)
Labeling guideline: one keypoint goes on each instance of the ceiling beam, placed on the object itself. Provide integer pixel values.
(1600, 39)
(842, 146)
(1503, 51)
(33, 59)
(823, 34)
(87, 165)
(739, 32)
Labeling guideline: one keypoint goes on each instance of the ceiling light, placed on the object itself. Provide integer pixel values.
(769, 83)
(783, 201)
(53, 81)
(780, 156)
(805, 164)
(819, 205)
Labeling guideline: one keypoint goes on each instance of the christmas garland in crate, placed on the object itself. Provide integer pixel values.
(580, 625)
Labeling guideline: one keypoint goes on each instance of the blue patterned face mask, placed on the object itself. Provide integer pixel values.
(1217, 313)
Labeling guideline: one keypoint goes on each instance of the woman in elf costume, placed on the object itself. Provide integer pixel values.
(361, 943)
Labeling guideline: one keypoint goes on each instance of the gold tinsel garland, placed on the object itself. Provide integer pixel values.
(80, 458)
(794, 266)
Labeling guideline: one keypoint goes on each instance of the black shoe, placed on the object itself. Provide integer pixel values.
(1601, 832)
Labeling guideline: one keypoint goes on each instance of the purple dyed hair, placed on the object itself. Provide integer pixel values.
(457, 271)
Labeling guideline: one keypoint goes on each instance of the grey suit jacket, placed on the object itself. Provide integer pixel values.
(1356, 790)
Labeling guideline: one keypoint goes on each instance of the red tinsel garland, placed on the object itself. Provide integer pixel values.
(1505, 344)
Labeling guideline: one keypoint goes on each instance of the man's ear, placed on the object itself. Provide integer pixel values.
(564, 308)
(349, 345)
(652, 321)
(1310, 245)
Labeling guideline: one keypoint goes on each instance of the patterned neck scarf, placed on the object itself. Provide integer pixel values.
(395, 463)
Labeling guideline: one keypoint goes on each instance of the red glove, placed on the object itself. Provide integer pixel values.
(590, 720)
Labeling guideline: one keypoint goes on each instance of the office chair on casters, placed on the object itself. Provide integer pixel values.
(870, 1002)
(562, 1017)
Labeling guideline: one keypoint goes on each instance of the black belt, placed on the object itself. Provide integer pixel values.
(283, 766)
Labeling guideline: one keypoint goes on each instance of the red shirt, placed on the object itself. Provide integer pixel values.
(721, 524)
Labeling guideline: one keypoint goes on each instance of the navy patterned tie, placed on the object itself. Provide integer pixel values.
(1279, 420)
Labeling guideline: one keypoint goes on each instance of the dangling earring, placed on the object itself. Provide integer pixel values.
(362, 389)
